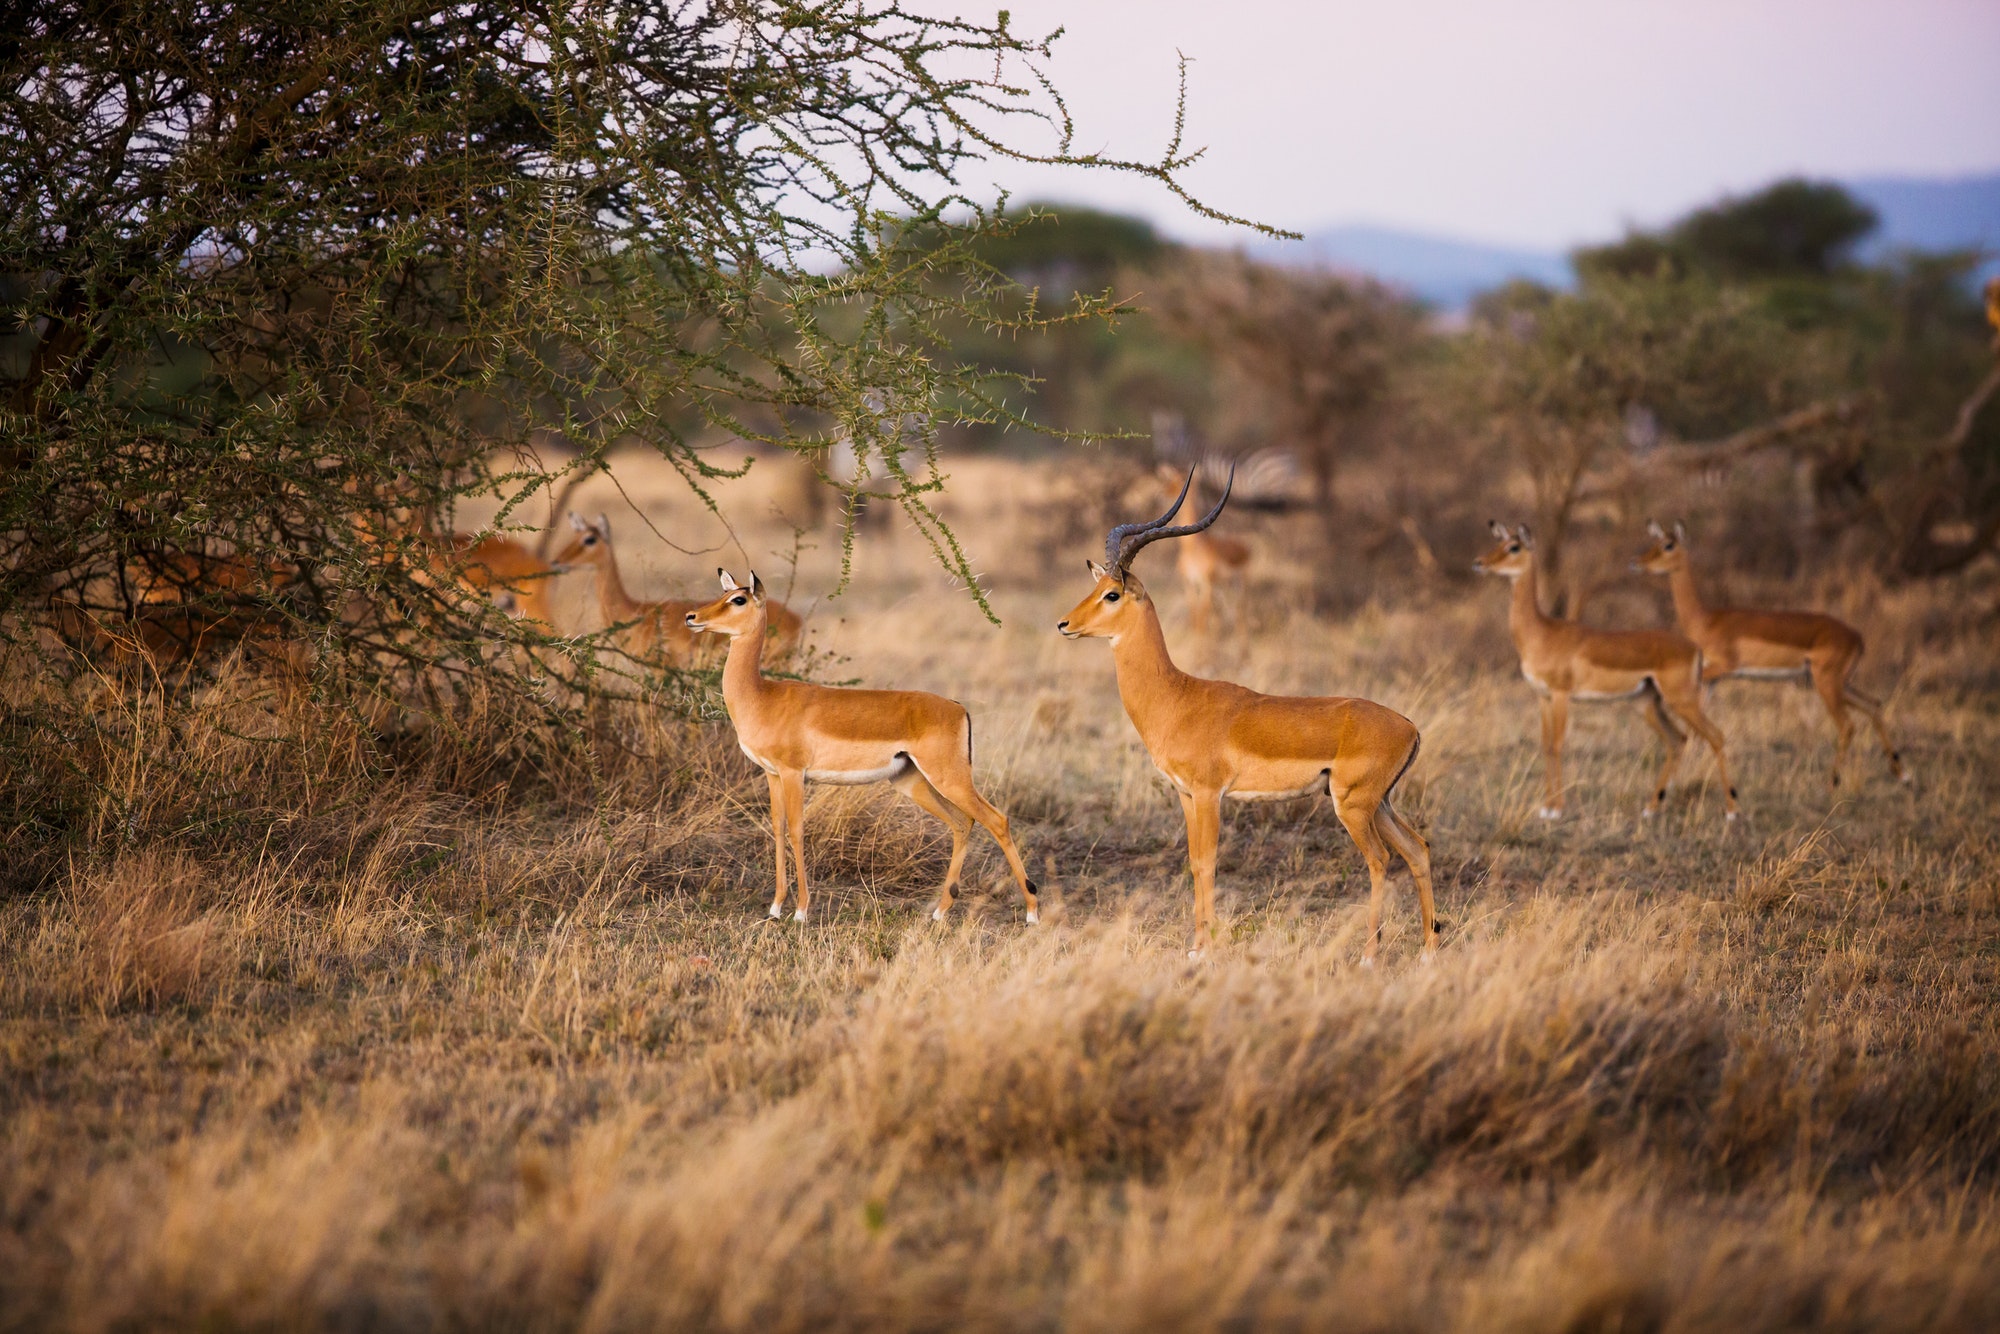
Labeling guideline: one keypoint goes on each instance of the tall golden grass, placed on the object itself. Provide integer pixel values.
(292, 1040)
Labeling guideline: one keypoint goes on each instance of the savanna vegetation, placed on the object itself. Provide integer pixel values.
(372, 957)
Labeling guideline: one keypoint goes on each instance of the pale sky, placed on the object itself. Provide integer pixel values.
(1538, 123)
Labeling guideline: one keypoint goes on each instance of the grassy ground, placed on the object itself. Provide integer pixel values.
(286, 1044)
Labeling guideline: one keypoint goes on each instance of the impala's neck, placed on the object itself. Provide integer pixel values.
(1524, 610)
(1687, 603)
(617, 605)
(743, 670)
(1147, 677)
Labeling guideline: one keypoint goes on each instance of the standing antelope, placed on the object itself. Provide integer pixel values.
(1204, 560)
(1770, 646)
(921, 744)
(1565, 661)
(654, 628)
(1216, 739)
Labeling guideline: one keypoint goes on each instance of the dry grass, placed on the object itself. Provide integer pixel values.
(288, 1043)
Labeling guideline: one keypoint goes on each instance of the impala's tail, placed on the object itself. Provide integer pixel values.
(1415, 746)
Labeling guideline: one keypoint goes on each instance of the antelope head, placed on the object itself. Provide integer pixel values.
(1116, 592)
(590, 546)
(738, 611)
(1668, 552)
(1513, 557)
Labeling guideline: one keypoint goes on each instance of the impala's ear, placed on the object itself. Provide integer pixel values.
(729, 584)
(756, 586)
(1499, 529)
(1653, 529)
(1680, 532)
(1097, 571)
(1527, 538)
(603, 524)
(576, 522)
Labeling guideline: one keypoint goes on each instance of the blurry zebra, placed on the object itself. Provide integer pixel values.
(1266, 479)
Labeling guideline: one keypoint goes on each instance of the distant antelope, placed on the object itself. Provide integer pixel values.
(1565, 661)
(1770, 646)
(794, 731)
(1204, 560)
(1216, 739)
(655, 628)
(519, 581)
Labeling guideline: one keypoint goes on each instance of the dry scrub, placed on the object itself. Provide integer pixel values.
(288, 1038)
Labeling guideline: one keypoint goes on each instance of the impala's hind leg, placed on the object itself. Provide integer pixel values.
(952, 778)
(1671, 737)
(1416, 854)
(911, 783)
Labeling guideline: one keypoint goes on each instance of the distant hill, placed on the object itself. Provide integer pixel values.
(1444, 272)
(1917, 214)
(1961, 214)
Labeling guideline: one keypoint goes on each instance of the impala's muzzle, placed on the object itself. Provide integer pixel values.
(1062, 628)
(695, 623)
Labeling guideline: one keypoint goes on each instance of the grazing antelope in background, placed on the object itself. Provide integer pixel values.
(1770, 646)
(1216, 739)
(655, 628)
(519, 581)
(921, 744)
(1205, 560)
(1565, 661)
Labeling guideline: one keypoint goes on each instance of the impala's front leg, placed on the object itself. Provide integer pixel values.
(1555, 722)
(777, 839)
(1203, 811)
(794, 784)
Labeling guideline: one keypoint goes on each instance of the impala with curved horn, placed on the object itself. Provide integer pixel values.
(921, 744)
(1216, 739)
(1770, 645)
(1565, 661)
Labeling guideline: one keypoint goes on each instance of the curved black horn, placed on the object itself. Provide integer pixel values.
(1151, 533)
(1114, 542)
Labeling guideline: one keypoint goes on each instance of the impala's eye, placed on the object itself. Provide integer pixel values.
(1512, 547)
(737, 602)
(1668, 547)
(1111, 597)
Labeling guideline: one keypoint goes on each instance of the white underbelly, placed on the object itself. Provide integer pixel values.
(1316, 787)
(1798, 673)
(1600, 696)
(896, 768)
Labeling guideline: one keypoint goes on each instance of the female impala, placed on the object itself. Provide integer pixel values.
(1770, 645)
(1216, 739)
(1563, 661)
(1205, 560)
(918, 743)
(654, 629)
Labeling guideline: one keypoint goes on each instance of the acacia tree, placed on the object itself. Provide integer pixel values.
(1564, 383)
(282, 279)
(1316, 348)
